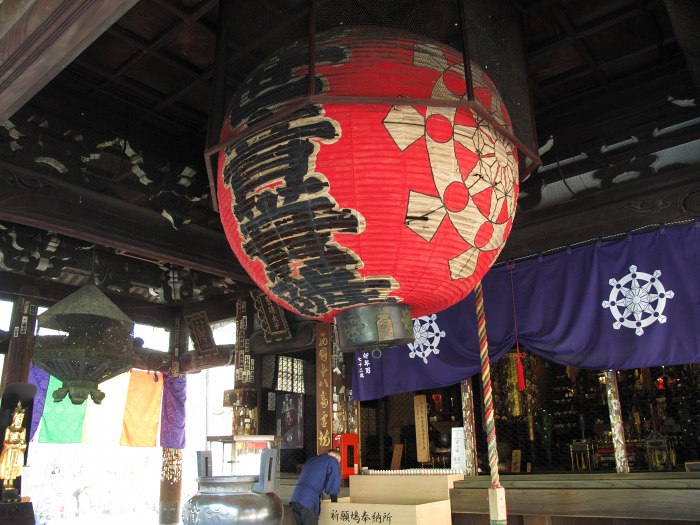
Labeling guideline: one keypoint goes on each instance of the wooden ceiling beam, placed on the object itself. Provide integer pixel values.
(661, 79)
(636, 204)
(179, 93)
(193, 17)
(168, 139)
(624, 158)
(591, 94)
(131, 39)
(577, 41)
(594, 26)
(45, 202)
(162, 40)
(144, 92)
(44, 39)
(47, 293)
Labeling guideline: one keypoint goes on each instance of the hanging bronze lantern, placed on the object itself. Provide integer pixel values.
(94, 344)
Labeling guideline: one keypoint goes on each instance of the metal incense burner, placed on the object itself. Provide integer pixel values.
(236, 500)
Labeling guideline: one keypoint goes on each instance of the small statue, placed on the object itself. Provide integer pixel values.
(14, 445)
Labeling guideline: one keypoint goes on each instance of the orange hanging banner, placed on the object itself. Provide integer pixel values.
(142, 410)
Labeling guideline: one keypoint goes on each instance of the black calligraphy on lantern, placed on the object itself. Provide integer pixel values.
(278, 194)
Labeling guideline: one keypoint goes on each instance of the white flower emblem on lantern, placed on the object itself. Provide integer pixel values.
(637, 300)
(495, 171)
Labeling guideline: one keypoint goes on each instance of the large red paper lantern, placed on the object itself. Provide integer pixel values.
(347, 201)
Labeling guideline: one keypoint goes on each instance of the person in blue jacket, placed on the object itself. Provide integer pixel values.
(320, 474)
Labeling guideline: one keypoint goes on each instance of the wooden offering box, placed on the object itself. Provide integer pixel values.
(395, 499)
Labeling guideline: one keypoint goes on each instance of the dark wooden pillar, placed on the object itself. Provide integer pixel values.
(170, 487)
(19, 355)
(381, 431)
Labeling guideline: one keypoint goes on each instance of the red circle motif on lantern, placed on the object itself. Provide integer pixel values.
(345, 204)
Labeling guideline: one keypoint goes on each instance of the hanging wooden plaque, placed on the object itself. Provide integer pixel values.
(245, 365)
(272, 319)
(201, 333)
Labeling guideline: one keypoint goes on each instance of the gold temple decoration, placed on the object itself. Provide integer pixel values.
(471, 456)
(385, 328)
(615, 411)
(171, 470)
(14, 445)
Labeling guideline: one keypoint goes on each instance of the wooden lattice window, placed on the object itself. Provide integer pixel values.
(290, 374)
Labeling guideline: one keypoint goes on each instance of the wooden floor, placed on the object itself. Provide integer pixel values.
(639, 498)
(474, 519)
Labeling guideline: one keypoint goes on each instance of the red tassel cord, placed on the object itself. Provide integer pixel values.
(518, 354)
(521, 370)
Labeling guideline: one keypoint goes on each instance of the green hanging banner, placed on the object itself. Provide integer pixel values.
(61, 422)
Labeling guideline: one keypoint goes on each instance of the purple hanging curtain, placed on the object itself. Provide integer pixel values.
(172, 419)
(631, 303)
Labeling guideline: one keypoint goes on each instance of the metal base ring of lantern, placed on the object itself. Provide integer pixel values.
(374, 326)
(92, 344)
(364, 169)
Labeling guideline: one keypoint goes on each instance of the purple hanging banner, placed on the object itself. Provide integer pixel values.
(630, 303)
(172, 418)
(40, 378)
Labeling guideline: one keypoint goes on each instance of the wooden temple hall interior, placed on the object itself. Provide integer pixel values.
(456, 240)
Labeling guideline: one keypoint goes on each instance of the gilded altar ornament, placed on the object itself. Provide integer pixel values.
(385, 328)
(14, 445)
(615, 411)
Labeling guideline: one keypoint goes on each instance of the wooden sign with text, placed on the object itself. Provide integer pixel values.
(201, 333)
(420, 413)
(515, 460)
(245, 365)
(324, 387)
(19, 356)
(396, 457)
(272, 319)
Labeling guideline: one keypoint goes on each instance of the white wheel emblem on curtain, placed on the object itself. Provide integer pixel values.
(637, 300)
(428, 336)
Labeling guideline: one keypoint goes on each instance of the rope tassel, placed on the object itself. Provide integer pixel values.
(518, 354)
